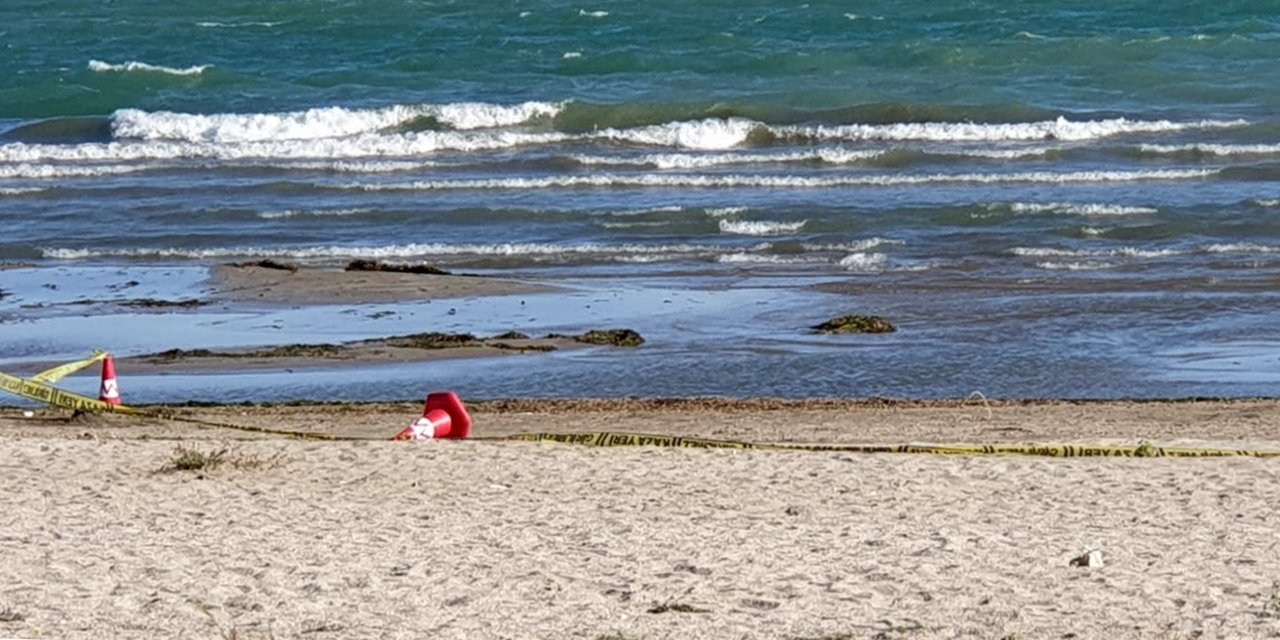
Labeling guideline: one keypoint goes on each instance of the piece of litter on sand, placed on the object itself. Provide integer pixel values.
(1089, 559)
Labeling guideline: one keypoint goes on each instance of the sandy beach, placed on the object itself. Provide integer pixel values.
(291, 538)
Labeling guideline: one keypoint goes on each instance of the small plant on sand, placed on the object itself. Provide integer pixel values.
(1271, 602)
(230, 632)
(185, 459)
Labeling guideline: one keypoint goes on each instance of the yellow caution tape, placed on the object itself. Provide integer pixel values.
(51, 395)
(41, 392)
(1143, 450)
(59, 372)
(38, 390)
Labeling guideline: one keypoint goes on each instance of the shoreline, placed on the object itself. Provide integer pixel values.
(1230, 423)
(754, 329)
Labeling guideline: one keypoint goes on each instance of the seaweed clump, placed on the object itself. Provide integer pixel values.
(510, 335)
(377, 265)
(434, 340)
(152, 303)
(178, 354)
(268, 264)
(855, 324)
(285, 351)
(611, 337)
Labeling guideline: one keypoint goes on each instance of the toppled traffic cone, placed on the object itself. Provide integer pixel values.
(442, 417)
(109, 392)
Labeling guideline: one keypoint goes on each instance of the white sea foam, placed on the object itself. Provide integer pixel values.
(1079, 209)
(359, 146)
(1122, 252)
(1060, 129)
(794, 182)
(1074, 266)
(864, 261)
(743, 257)
(1266, 203)
(593, 14)
(721, 212)
(223, 128)
(856, 246)
(351, 166)
(571, 55)
(481, 115)
(236, 25)
(105, 67)
(308, 213)
(1241, 247)
(43, 171)
(999, 154)
(633, 225)
(1213, 149)
(18, 191)
(1093, 231)
(698, 161)
(315, 124)
(760, 227)
(712, 133)
(1046, 252)
(390, 251)
(1138, 252)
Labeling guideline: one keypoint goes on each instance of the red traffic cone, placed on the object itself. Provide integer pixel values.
(442, 417)
(109, 392)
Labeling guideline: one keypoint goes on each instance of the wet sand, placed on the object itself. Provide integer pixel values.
(316, 285)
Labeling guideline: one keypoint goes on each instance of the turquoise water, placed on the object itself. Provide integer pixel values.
(874, 61)
(1037, 193)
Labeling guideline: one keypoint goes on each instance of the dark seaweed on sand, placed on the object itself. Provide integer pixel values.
(152, 303)
(285, 351)
(608, 337)
(267, 264)
(855, 324)
(377, 265)
(432, 340)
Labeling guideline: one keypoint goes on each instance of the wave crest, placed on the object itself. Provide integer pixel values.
(99, 66)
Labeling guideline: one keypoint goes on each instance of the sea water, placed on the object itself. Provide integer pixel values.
(1048, 199)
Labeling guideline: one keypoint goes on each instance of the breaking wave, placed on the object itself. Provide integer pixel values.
(792, 182)
(760, 228)
(99, 66)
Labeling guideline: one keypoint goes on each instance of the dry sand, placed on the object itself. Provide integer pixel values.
(521, 540)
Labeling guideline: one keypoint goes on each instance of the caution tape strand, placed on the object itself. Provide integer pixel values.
(1142, 450)
(42, 392)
